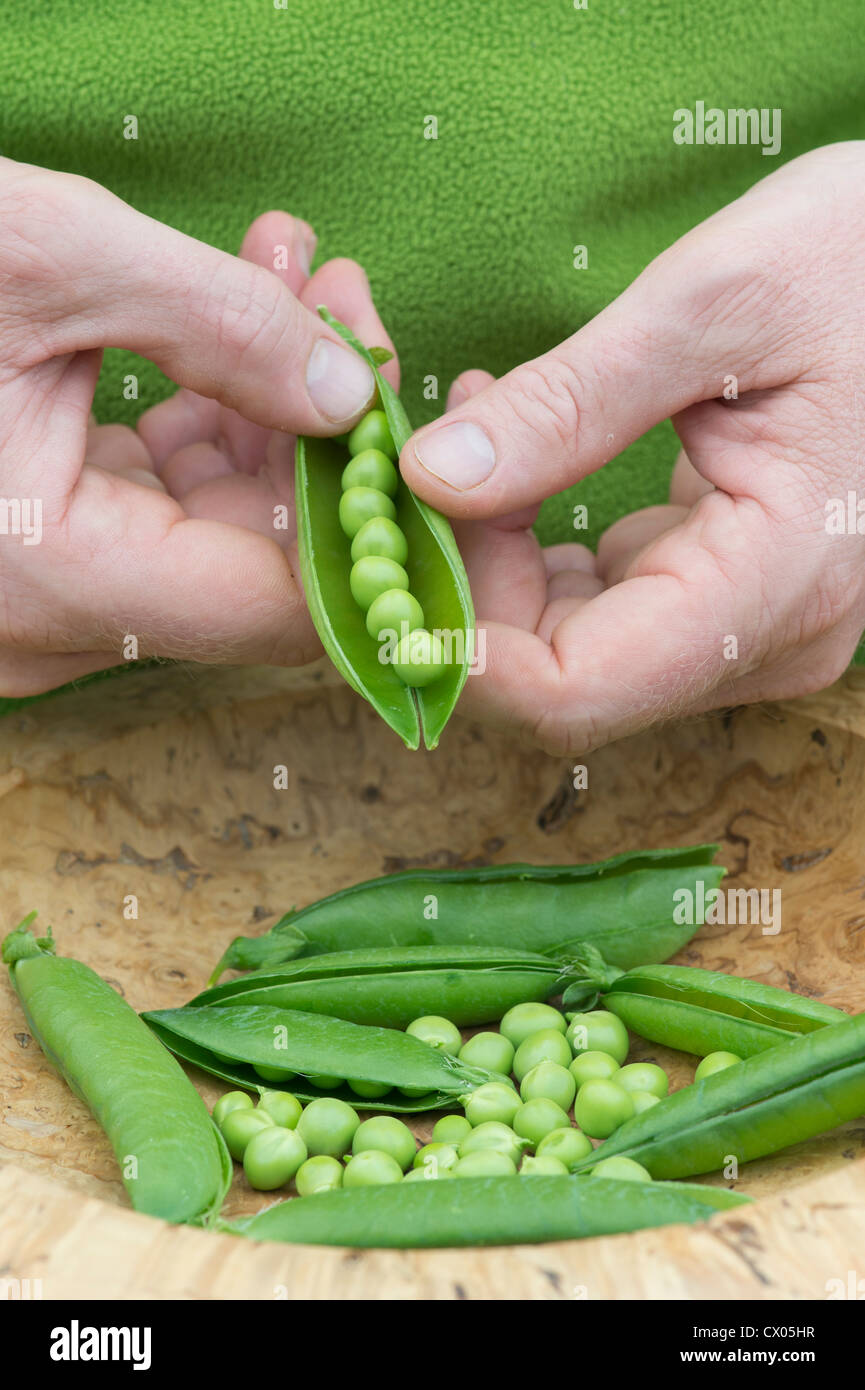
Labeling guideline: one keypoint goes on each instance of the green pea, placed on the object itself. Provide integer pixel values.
(570, 1146)
(371, 468)
(282, 1107)
(272, 1073)
(371, 1167)
(323, 1081)
(492, 1135)
(319, 1174)
(599, 1031)
(232, 1100)
(451, 1129)
(543, 1166)
(412, 1092)
(369, 1090)
(239, 1126)
(622, 1169)
(372, 432)
(715, 1061)
(373, 575)
(643, 1100)
(523, 1020)
(361, 504)
(419, 658)
(431, 1173)
(272, 1157)
(644, 1076)
(380, 536)
(593, 1066)
(436, 1158)
(492, 1101)
(437, 1032)
(600, 1107)
(492, 1051)
(485, 1163)
(327, 1126)
(538, 1118)
(395, 611)
(549, 1081)
(546, 1046)
(386, 1134)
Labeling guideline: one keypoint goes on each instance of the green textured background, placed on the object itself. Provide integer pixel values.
(555, 129)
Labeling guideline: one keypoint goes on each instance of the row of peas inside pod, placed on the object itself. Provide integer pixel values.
(564, 1081)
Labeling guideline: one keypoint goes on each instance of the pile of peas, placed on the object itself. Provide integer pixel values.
(518, 1124)
(379, 550)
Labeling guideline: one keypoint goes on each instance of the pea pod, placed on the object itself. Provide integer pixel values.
(624, 906)
(172, 1157)
(699, 1011)
(436, 574)
(779, 1097)
(482, 1211)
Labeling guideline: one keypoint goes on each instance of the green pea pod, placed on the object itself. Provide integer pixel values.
(390, 986)
(173, 1160)
(625, 906)
(481, 1211)
(436, 573)
(699, 1011)
(779, 1097)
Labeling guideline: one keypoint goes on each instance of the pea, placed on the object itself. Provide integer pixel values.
(492, 1101)
(568, 1145)
(643, 1100)
(374, 575)
(327, 1126)
(644, 1076)
(323, 1081)
(372, 432)
(492, 1135)
(369, 1090)
(715, 1061)
(428, 1173)
(437, 1032)
(600, 1107)
(485, 1163)
(523, 1020)
(412, 1092)
(538, 1118)
(621, 1168)
(396, 611)
(386, 1134)
(546, 1046)
(319, 1174)
(361, 504)
(549, 1081)
(419, 658)
(451, 1129)
(239, 1126)
(543, 1166)
(599, 1031)
(436, 1158)
(371, 1167)
(272, 1157)
(492, 1051)
(593, 1066)
(380, 536)
(232, 1100)
(272, 1073)
(371, 468)
(282, 1107)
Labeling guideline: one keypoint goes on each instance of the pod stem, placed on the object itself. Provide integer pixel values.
(21, 944)
(584, 973)
(283, 942)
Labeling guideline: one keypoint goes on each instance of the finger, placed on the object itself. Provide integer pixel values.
(556, 611)
(622, 541)
(569, 556)
(466, 385)
(342, 286)
(23, 674)
(193, 466)
(183, 419)
(687, 486)
(117, 448)
(574, 584)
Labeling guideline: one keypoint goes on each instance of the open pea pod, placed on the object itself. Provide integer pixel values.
(436, 573)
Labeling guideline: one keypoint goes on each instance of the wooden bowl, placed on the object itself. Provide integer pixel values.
(154, 794)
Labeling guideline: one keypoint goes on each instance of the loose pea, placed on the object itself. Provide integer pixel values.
(370, 1167)
(232, 1100)
(437, 1032)
(523, 1020)
(239, 1126)
(451, 1129)
(492, 1051)
(282, 1107)
(492, 1101)
(436, 1158)
(380, 536)
(324, 1081)
(395, 611)
(327, 1126)
(492, 1135)
(319, 1174)
(549, 1081)
(538, 1118)
(715, 1061)
(273, 1073)
(369, 1090)
(568, 1145)
(371, 468)
(485, 1163)
(386, 1134)
(621, 1168)
(593, 1066)
(430, 1173)
(644, 1076)
(272, 1157)
(372, 432)
(600, 1107)
(374, 575)
(419, 658)
(643, 1100)
(599, 1031)
(546, 1046)
(361, 504)
(543, 1165)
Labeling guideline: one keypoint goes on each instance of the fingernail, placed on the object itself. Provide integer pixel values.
(305, 242)
(460, 455)
(339, 382)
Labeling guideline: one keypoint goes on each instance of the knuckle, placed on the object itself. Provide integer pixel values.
(249, 305)
(549, 396)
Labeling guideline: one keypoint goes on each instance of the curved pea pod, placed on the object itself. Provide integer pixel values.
(173, 1160)
(480, 1211)
(390, 986)
(625, 906)
(779, 1097)
(437, 578)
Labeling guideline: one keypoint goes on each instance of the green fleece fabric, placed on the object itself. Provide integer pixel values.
(555, 130)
